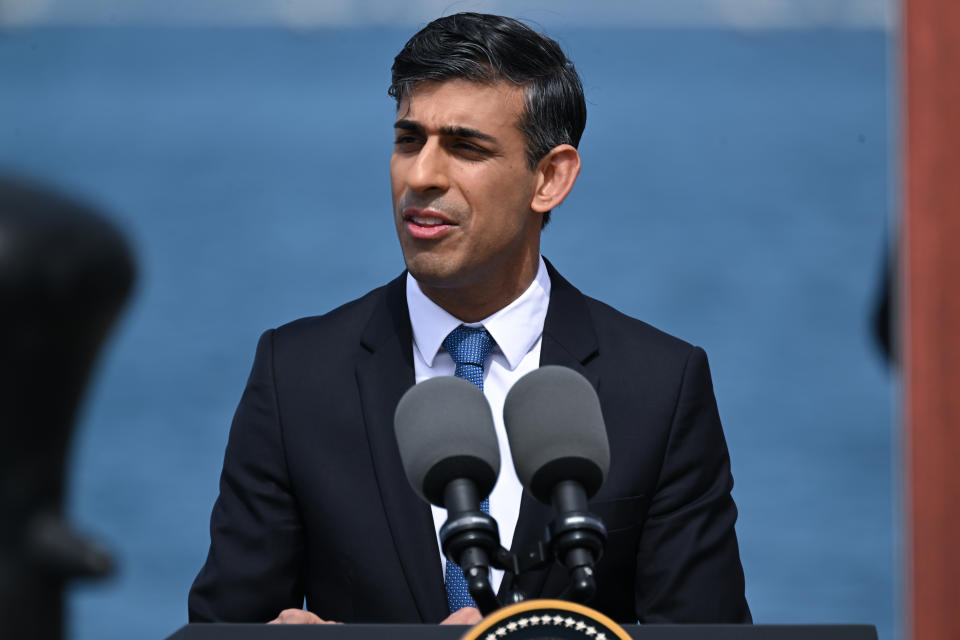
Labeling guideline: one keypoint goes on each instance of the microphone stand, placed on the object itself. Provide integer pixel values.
(576, 538)
(471, 539)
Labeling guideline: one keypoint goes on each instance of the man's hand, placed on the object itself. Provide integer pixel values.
(467, 615)
(299, 616)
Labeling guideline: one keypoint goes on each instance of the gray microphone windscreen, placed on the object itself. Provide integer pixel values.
(445, 431)
(556, 431)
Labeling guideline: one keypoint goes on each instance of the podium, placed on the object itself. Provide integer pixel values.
(437, 632)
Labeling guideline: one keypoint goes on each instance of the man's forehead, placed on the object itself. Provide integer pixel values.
(461, 100)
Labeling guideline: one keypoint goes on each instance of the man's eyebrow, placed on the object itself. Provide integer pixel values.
(454, 131)
(466, 132)
(408, 125)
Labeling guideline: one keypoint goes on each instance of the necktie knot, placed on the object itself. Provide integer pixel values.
(469, 347)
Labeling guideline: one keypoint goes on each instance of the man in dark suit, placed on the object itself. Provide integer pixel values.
(313, 499)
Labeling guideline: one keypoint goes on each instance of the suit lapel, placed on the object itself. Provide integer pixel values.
(383, 376)
(569, 340)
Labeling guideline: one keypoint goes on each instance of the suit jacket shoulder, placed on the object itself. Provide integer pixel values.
(334, 330)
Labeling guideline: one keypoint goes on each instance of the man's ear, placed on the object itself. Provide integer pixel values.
(556, 173)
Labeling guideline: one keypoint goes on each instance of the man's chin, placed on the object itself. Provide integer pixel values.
(434, 273)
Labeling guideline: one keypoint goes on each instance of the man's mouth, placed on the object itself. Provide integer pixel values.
(426, 223)
(426, 216)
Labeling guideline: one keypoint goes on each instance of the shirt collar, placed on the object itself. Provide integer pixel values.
(515, 328)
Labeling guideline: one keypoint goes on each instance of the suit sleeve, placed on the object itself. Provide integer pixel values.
(688, 563)
(255, 565)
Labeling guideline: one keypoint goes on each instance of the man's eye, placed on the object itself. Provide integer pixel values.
(469, 148)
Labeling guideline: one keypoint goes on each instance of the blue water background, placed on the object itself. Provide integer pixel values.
(735, 192)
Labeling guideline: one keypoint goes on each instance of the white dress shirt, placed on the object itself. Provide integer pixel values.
(517, 330)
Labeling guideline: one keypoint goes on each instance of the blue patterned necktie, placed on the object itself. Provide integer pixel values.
(469, 347)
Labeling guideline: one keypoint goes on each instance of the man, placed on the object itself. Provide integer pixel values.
(313, 500)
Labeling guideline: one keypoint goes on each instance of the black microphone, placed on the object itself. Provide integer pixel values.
(449, 449)
(560, 451)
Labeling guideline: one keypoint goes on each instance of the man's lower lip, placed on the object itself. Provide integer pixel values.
(426, 233)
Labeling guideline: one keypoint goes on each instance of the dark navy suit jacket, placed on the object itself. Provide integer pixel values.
(314, 502)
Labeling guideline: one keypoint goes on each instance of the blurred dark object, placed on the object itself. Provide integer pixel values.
(65, 272)
(885, 332)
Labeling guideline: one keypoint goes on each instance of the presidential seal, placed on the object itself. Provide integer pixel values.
(546, 620)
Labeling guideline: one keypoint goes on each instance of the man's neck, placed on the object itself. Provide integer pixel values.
(476, 301)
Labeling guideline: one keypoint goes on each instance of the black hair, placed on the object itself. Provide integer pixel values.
(487, 48)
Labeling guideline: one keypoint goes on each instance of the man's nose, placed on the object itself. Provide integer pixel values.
(429, 169)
